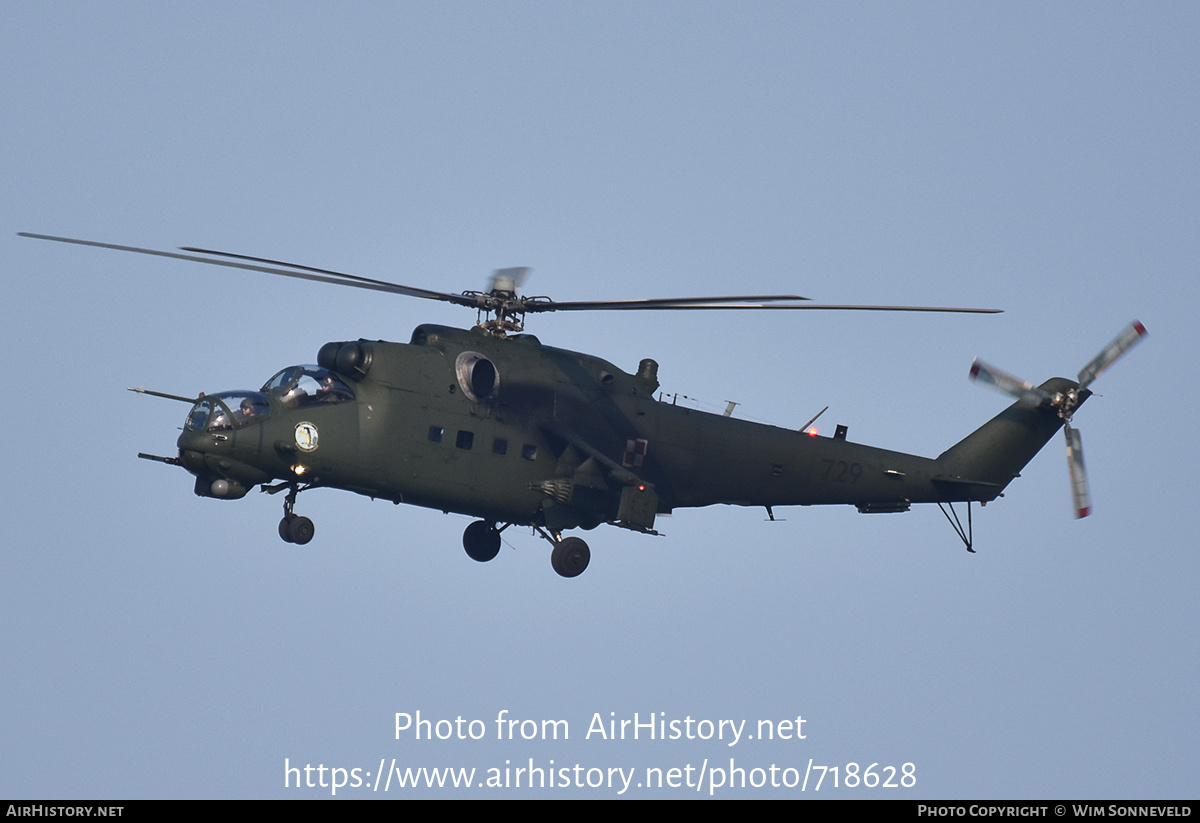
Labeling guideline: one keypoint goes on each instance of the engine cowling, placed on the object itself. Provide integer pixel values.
(352, 359)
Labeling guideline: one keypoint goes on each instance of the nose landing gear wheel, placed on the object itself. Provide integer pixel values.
(482, 541)
(570, 557)
(293, 528)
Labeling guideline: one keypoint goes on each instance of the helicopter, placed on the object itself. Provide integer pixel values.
(491, 423)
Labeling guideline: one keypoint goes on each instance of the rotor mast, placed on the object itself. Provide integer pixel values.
(506, 309)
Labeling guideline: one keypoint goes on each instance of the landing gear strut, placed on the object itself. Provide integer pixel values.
(482, 541)
(293, 528)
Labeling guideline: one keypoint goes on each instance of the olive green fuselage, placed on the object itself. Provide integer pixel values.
(541, 435)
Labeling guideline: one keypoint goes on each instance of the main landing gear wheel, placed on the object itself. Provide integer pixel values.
(482, 541)
(570, 557)
(296, 529)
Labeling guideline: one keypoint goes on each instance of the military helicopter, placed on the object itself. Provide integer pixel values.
(491, 423)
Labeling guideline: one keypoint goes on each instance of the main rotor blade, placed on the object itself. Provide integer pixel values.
(411, 291)
(759, 302)
(1120, 344)
(495, 302)
(734, 301)
(1080, 498)
(319, 275)
(1007, 383)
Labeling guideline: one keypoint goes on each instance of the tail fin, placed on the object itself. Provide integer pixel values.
(988, 459)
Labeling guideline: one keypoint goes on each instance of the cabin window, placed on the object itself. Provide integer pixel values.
(529, 451)
(435, 434)
(499, 446)
(465, 440)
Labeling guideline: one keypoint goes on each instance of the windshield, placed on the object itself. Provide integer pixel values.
(308, 386)
(227, 409)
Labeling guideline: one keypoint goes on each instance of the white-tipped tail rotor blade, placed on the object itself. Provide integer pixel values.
(1079, 484)
(1005, 382)
(1123, 342)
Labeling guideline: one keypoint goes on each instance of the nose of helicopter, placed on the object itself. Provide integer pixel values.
(216, 474)
(211, 449)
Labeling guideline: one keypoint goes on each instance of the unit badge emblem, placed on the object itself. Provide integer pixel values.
(306, 437)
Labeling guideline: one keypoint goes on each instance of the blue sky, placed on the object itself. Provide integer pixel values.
(1035, 158)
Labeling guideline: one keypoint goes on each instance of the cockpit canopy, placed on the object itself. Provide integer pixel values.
(226, 410)
(295, 386)
(300, 386)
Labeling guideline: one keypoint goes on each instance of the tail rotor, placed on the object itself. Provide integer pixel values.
(1080, 498)
(1065, 403)
(1134, 332)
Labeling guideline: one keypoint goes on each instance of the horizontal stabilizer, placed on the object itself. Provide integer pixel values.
(959, 488)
